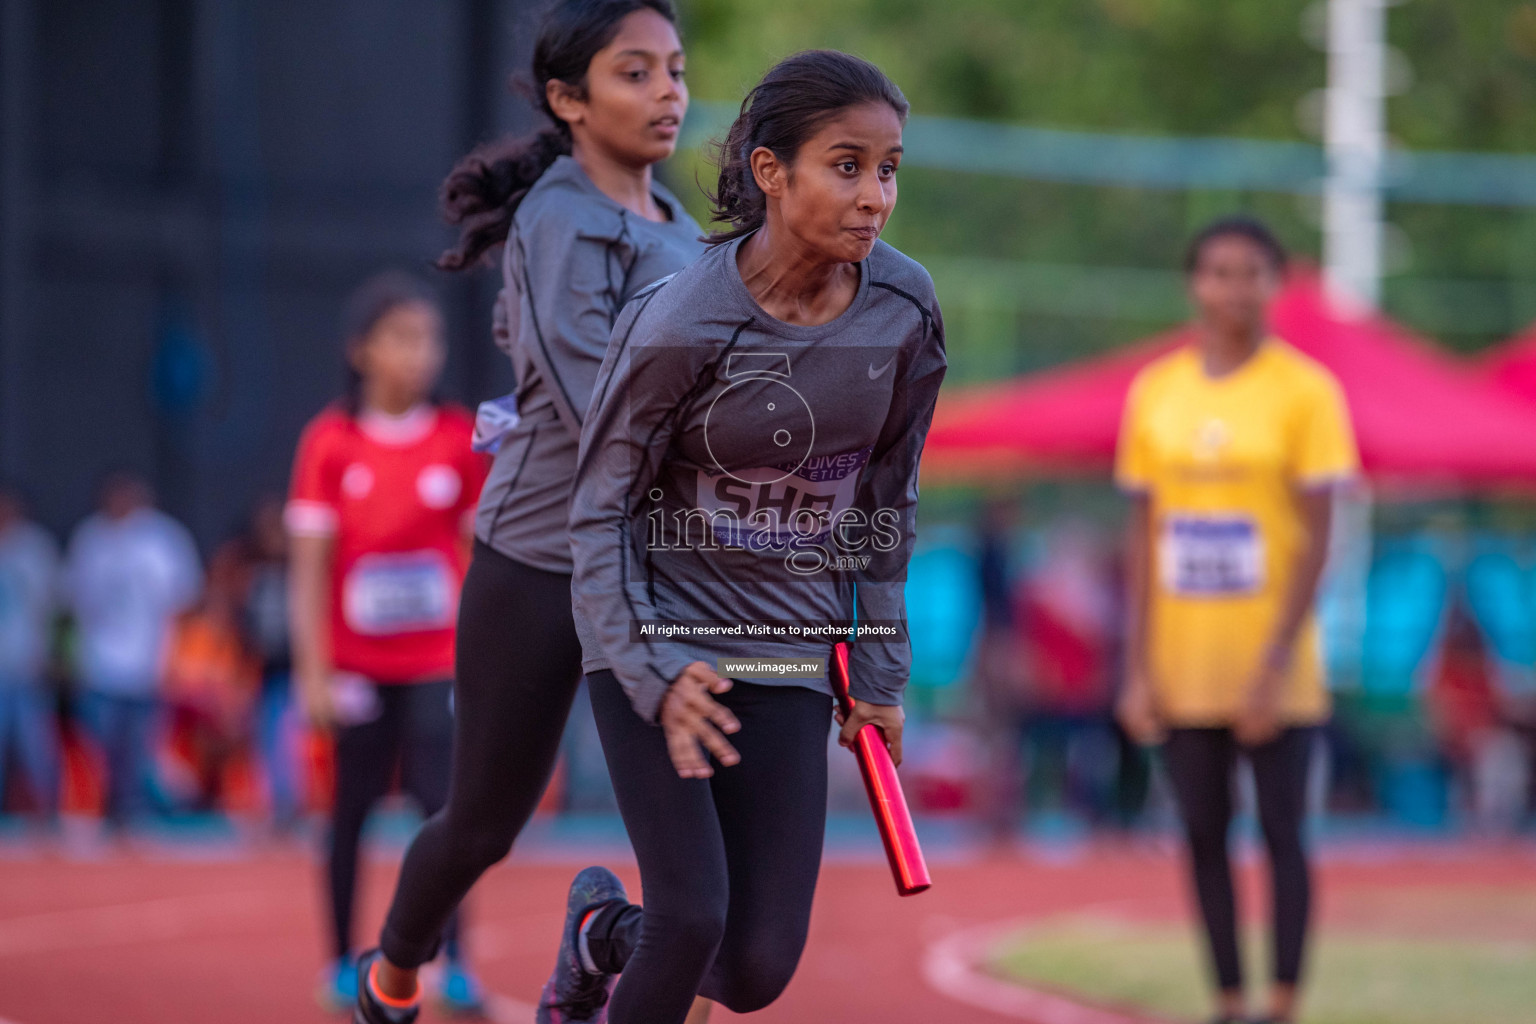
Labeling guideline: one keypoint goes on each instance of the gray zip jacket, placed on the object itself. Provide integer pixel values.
(573, 258)
(740, 476)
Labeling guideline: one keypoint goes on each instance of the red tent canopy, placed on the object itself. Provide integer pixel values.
(1512, 365)
(1420, 415)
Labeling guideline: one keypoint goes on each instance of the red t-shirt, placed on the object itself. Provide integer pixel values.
(395, 493)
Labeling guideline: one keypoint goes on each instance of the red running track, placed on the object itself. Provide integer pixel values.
(135, 939)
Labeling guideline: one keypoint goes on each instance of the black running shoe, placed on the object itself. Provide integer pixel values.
(574, 995)
(368, 1009)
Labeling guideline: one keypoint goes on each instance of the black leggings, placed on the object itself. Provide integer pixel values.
(1200, 763)
(414, 729)
(519, 663)
(728, 864)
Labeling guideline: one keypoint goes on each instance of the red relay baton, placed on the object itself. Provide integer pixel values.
(884, 789)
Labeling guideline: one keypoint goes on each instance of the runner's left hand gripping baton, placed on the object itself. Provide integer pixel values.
(884, 789)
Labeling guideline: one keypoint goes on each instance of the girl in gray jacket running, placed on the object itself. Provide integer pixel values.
(746, 492)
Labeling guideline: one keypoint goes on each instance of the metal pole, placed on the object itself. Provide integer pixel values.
(1356, 143)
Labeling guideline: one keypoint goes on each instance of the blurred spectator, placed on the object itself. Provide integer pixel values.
(263, 551)
(1487, 753)
(1066, 615)
(211, 682)
(29, 567)
(129, 572)
(1000, 680)
(1044, 667)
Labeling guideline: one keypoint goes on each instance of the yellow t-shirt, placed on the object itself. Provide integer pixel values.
(1222, 461)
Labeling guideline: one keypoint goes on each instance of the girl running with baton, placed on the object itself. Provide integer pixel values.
(749, 463)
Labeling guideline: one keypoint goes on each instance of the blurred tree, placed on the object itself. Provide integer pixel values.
(1037, 272)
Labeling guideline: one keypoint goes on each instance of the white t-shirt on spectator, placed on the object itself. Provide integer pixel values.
(126, 580)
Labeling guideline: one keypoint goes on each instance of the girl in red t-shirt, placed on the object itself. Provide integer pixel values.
(384, 488)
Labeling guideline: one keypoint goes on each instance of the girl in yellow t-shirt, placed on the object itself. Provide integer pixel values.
(1230, 449)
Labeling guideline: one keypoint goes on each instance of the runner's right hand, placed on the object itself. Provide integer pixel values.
(1136, 711)
(315, 698)
(690, 717)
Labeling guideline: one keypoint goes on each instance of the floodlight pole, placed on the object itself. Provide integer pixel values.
(1356, 144)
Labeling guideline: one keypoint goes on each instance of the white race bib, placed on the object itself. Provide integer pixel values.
(1210, 556)
(399, 593)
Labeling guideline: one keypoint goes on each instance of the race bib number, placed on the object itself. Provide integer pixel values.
(772, 506)
(399, 593)
(1211, 556)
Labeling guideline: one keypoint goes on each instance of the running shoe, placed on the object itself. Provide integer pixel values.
(337, 990)
(459, 992)
(367, 1009)
(573, 994)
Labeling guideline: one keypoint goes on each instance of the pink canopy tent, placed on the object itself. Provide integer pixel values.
(1512, 365)
(1422, 417)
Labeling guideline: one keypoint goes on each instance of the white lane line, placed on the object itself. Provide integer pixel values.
(123, 923)
(951, 966)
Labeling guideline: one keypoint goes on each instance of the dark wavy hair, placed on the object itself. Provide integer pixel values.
(796, 97)
(1250, 228)
(483, 190)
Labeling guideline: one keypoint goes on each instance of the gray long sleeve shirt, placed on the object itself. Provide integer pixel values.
(737, 471)
(573, 258)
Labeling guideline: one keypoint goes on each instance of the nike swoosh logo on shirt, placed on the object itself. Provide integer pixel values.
(873, 373)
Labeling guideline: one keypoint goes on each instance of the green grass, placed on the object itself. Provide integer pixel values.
(1354, 979)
